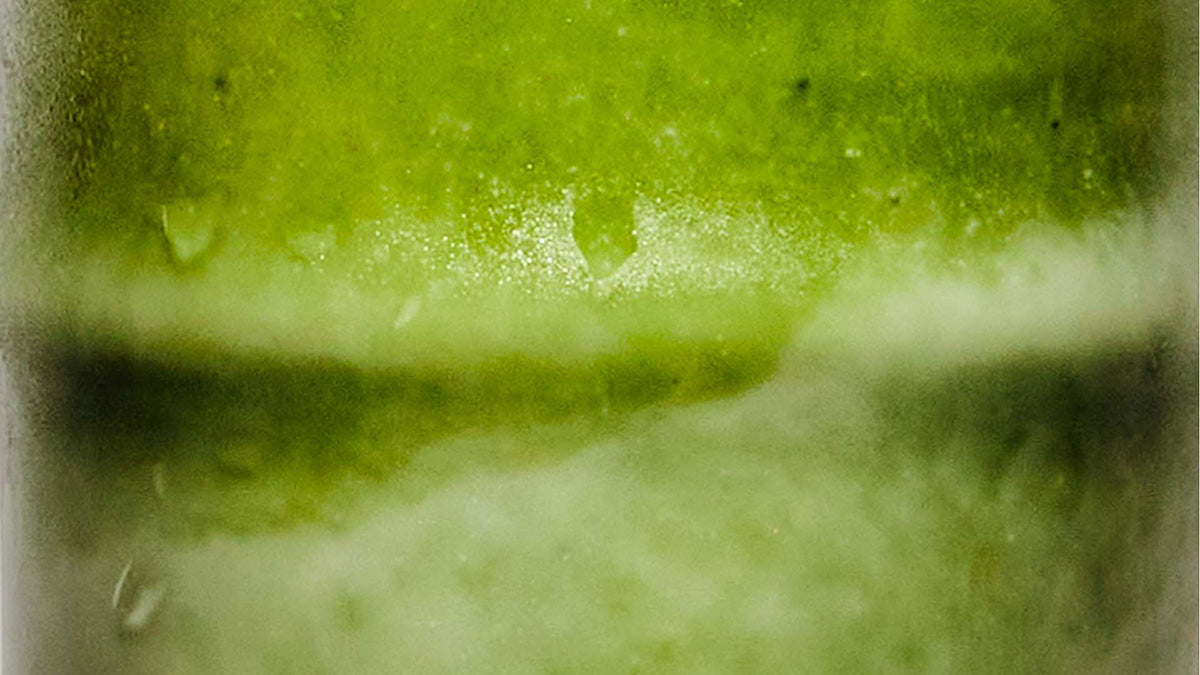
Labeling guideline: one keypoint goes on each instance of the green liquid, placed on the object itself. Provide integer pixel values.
(614, 337)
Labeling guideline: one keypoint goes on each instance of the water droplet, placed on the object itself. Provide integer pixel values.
(312, 245)
(145, 605)
(136, 599)
(604, 230)
(189, 230)
(409, 312)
